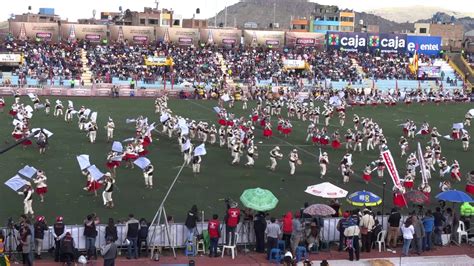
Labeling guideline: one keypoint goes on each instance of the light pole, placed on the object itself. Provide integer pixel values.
(383, 200)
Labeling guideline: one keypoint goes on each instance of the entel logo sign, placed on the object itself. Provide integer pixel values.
(423, 47)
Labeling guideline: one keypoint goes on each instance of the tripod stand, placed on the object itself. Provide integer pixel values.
(11, 243)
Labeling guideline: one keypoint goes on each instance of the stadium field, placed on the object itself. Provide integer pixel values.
(218, 178)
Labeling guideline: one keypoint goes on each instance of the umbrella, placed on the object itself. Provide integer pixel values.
(454, 196)
(364, 198)
(326, 190)
(259, 199)
(319, 209)
(416, 196)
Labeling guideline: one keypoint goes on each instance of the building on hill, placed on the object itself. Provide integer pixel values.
(452, 35)
(346, 20)
(324, 19)
(45, 15)
(299, 25)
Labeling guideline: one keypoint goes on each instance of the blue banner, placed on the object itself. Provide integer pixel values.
(392, 43)
(427, 45)
(347, 41)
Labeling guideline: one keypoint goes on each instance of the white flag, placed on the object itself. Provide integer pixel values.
(216, 109)
(225, 98)
(94, 117)
(421, 160)
(83, 161)
(70, 104)
(29, 109)
(28, 171)
(129, 121)
(164, 117)
(96, 174)
(448, 137)
(458, 125)
(142, 162)
(200, 150)
(45, 131)
(128, 140)
(16, 182)
(117, 147)
(87, 112)
(186, 145)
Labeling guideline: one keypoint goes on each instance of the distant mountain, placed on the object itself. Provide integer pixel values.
(440, 17)
(415, 13)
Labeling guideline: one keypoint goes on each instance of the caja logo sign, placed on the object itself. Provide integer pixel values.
(333, 39)
(355, 41)
(392, 43)
(374, 41)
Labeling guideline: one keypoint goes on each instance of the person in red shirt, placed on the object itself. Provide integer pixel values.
(213, 227)
(232, 219)
(287, 228)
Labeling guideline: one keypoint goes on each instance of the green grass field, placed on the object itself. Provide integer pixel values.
(218, 178)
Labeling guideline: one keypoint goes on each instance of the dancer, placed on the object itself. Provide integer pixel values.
(41, 186)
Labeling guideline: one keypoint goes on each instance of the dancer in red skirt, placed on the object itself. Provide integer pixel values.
(281, 121)
(130, 155)
(455, 171)
(17, 133)
(470, 183)
(287, 128)
(425, 129)
(398, 198)
(41, 186)
(409, 180)
(112, 161)
(426, 189)
(366, 176)
(91, 184)
(254, 116)
(267, 132)
(455, 134)
(26, 142)
(335, 143)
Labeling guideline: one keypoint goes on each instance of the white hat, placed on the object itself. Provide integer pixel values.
(108, 174)
(277, 147)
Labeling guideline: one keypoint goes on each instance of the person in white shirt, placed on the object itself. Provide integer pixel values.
(41, 186)
(28, 199)
(110, 129)
(407, 231)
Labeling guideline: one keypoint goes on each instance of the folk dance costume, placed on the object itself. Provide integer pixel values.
(111, 163)
(367, 171)
(236, 152)
(280, 125)
(267, 132)
(92, 132)
(188, 155)
(398, 198)
(380, 167)
(222, 135)
(27, 200)
(411, 163)
(356, 122)
(110, 129)
(470, 183)
(196, 160)
(17, 133)
(41, 186)
(27, 142)
(148, 175)
(274, 155)
(370, 139)
(212, 134)
(251, 153)
(309, 131)
(91, 185)
(140, 150)
(406, 126)
(254, 116)
(82, 122)
(426, 189)
(2, 104)
(108, 190)
(409, 181)
(455, 134)
(346, 173)
(467, 119)
(445, 185)
(349, 139)
(434, 136)
(358, 142)
(68, 115)
(342, 118)
(335, 143)
(293, 161)
(425, 129)
(47, 107)
(244, 103)
(455, 172)
(323, 164)
(412, 130)
(323, 139)
(403, 146)
(130, 155)
(465, 141)
(58, 109)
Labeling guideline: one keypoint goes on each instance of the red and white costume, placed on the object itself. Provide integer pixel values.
(366, 176)
(40, 181)
(267, 132)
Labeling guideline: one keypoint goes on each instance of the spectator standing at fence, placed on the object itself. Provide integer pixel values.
(191, 222)
(67, 249)
(143, 235)
(111, 230)
(58, 234)
(132, 226)
(367, 222)
(109, 252)
(26, 247)
(393, 228)
(419, 233)
(287, 228)
(39, 228)
(259, 225)
(273, 232)
(352, 237)
(439, 221)
(90, 233)
(297, 233)
(428, 224)
(407, 231)
(341, 226)
(231, 219)
(214, 229)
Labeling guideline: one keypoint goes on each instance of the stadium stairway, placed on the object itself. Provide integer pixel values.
(223, 64)
(459, 64)
(86, 75)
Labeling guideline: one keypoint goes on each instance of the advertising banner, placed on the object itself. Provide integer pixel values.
(347, 41)
(92, 33)
(392, 43)
(294, 64)
(33, 31)
(179, 36)
(294, 39)
(427, 45)
(273, 39)
(220, 37)
(132, 34)
(10, 58)
(392, 168)
(429, 72)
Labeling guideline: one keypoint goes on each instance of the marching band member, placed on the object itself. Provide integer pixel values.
(230, 137)
(108, 190)
(370, 139)
(327, 116)
(346, 172)
(443, 167)
(470, 183)
(467, 119)
(27, 199)
(342, 118)
(2, 104)
(428, 156)
(411, 163)
(68, 115)
(403, 146)
(110, 129)
(367, 171)
(58, 108)
(196, 160)
(91, 184)
(236, 151)
(349, 139)
(42, 141)
(323, 163)
(294, 160)
(82, 121)
(148, 175)
(212, 134)
(455, 172)
(309, 131)
(251, 153)
(358, 141)
(465, 140)
(356, 122)
(41, 186)
(222, 134)
(274, 155)
(92, 132)
(434, 136)
(47, 107)
(188, 154)
(412, 130)
(380, 167)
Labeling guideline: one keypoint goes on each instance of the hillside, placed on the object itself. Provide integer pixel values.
(415, 13)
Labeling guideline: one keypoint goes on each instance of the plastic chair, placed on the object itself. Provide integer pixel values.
(190, 249)
(301, 253)
(275, 255)
(462, 232)
(233, 248)
(281, 245)
(200, 247)
(381, 240)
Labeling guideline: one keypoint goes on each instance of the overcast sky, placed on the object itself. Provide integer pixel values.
(73, 9)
